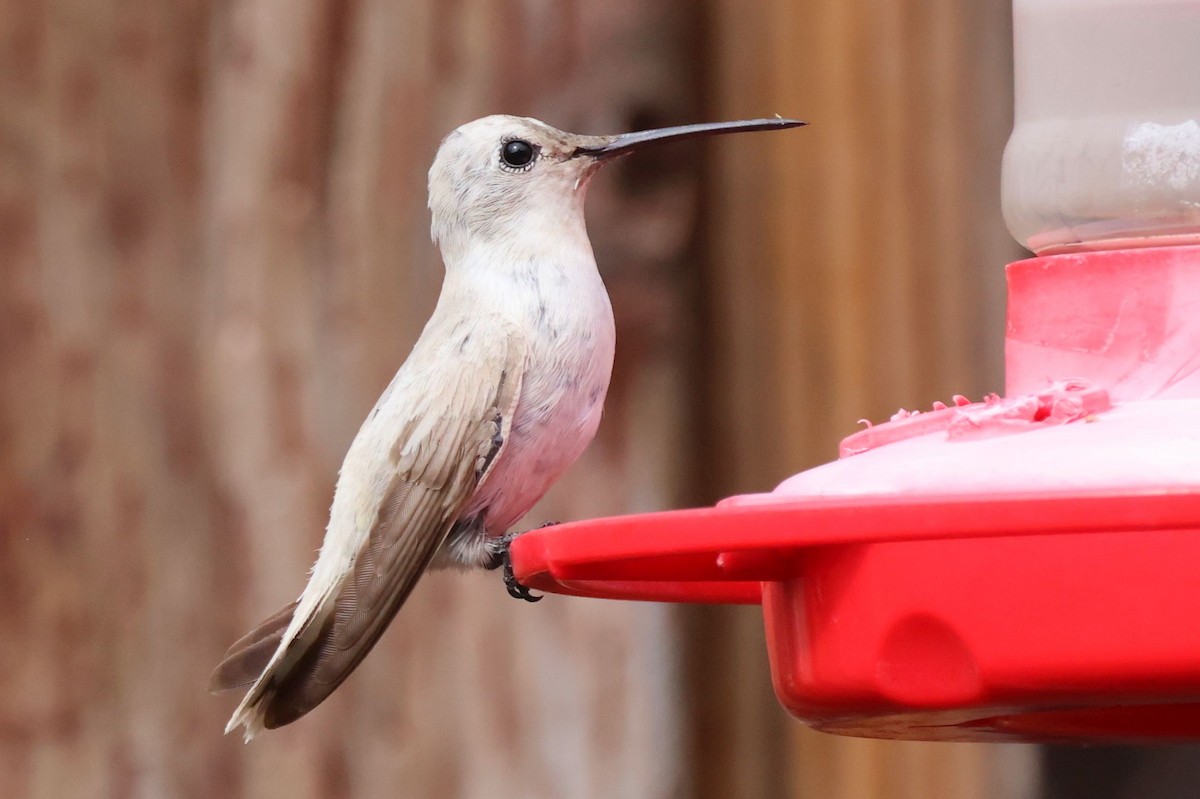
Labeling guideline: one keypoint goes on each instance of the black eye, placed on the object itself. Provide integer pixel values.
(517, 153)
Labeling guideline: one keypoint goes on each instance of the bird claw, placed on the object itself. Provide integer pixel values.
(501, 557)
(516, 590)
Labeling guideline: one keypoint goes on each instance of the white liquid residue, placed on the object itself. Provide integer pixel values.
(1162, 154)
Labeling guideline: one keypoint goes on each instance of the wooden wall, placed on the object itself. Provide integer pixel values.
(214, 253)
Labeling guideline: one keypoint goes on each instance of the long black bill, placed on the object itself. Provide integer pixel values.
(628, 142)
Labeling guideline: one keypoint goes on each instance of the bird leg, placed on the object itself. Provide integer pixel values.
(502, 557)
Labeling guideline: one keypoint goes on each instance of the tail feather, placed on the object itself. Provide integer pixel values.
(291, 675)
(243, 662)
(302, 688)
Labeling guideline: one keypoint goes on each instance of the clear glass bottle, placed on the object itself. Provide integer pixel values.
(1105, 149)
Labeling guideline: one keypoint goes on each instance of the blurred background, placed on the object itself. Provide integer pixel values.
(214, 254)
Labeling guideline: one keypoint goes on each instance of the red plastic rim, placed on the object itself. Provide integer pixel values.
(721, 554)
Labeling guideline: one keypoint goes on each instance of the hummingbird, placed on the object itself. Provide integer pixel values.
(501, 393)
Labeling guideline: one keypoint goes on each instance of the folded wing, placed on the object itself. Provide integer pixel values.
(397, 498)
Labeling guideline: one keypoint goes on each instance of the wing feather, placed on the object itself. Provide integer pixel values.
(428, 474)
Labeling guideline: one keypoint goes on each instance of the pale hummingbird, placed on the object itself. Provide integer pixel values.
(501, 393)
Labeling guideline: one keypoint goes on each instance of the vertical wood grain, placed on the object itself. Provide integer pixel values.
(856, 267)
(214, 253)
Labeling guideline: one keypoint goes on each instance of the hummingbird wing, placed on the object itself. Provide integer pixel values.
(398, 495)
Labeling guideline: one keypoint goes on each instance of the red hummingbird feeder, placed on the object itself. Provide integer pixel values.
(1025, 567)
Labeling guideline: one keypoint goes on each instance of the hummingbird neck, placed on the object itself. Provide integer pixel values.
(512, 244)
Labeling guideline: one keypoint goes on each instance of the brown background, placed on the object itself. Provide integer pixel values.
(214, 254)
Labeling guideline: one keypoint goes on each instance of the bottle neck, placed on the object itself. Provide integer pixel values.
(1126, 320)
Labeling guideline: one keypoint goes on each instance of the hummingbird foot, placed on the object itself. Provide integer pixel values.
(501, 557)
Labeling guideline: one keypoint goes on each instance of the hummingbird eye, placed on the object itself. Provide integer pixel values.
(517, 154)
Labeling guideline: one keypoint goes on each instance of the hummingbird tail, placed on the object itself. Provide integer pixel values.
(246, 660)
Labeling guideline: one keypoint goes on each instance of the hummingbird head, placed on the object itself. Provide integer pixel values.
(506, 177)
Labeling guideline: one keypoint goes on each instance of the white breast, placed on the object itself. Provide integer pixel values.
(569, 362)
